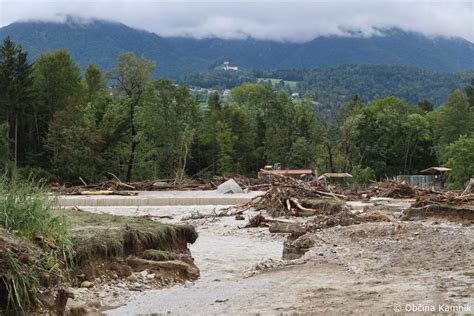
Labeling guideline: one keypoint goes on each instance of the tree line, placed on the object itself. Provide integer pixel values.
(60, 124)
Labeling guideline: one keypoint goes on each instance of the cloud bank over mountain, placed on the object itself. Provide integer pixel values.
(295, 21)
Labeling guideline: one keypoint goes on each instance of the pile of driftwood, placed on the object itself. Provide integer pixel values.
(424, 196)
(394, 189)
(286, 197)
(449, 197)
(117, 187)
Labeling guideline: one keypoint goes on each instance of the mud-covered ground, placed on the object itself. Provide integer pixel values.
(373, 267)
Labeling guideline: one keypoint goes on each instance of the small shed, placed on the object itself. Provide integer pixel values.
(439, 175)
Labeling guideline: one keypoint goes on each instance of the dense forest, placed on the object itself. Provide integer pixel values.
(60, 124)
(337, 85)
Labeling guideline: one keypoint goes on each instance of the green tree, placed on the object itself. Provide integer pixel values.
(451, 120)
(167, 121)
(208, 137)
(132, 75)
(4, 146)
(94, 82)
(378, 136)
(225, 142)
(16, 94)
(415, 132)
(57, 80)
(460, 157)
(74, 143)
(470, 93)
(57, 83)
(425, 105)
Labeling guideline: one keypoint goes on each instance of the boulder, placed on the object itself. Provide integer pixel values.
(230, 186)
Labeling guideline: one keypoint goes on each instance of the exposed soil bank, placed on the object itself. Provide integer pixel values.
(440, 212)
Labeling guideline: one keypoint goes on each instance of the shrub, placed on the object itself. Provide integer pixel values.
(362, 176)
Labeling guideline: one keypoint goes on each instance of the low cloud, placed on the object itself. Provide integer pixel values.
(263, 19)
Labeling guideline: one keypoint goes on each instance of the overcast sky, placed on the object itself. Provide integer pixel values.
(263, 19)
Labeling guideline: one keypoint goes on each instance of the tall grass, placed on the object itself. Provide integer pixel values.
(26, 212)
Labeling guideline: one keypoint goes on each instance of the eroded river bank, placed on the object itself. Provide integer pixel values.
(374, 267)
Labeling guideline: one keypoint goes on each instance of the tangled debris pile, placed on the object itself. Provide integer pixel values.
(287, 197)
(117, 187)
(401, 190)
(394, 189)
(466, 198)
(450, 198)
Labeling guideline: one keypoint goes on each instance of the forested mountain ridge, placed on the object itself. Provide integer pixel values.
(336, 85)
(100, 42)
(339, 84)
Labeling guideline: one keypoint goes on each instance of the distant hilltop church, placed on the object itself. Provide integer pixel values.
(227, 66)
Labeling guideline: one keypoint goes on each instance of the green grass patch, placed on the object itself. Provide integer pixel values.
(158, 255)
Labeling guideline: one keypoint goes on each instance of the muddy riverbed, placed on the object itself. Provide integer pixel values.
(380, 267)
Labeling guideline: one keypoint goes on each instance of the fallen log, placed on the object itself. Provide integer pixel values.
(302, 208)
(241, 207)
(286, 227)
(105, 192)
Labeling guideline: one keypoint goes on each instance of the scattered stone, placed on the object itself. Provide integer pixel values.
(87, 284)
(281, 227)
(95, 304)
(132, 278)
(79, 310)
(222, 301)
